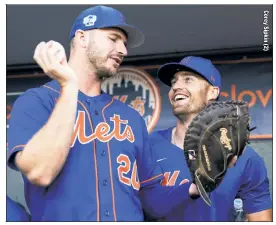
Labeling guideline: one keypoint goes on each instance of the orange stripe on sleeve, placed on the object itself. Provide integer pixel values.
(51, 88)
(151, 178)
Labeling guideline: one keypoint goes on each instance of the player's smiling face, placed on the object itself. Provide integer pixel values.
(106, 50)
(188, 93)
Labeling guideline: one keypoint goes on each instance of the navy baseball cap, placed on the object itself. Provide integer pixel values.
(105, 17)
(201, 66)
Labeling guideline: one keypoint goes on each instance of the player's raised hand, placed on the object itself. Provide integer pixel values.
(51, 57)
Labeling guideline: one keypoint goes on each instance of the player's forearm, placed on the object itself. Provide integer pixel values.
(45, 154)
(159, 200)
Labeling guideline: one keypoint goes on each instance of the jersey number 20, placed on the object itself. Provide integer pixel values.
(125, 169)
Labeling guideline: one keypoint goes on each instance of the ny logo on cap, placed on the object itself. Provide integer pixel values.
(89, 20)
(122, 19)
(185, 60)
(213, 78)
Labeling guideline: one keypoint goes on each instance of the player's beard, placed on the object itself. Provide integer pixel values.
(98, 62)
(194, 106)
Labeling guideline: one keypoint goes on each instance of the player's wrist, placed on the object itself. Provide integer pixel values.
(69, 87)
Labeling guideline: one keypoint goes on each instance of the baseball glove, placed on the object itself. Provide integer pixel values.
(214, 137)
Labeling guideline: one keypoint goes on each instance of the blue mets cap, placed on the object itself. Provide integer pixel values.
(105, 17)
(201, 66)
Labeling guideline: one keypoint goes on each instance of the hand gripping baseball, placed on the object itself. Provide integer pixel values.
(51, 58)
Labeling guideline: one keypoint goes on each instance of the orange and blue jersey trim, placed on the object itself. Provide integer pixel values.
(153, 178)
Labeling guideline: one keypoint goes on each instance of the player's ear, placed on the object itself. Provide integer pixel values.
(212, 93)
(82, 38)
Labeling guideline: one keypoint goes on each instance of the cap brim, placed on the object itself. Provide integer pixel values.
(167, 71)
(135, 37)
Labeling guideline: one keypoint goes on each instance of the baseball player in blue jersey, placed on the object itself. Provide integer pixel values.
(194, 82)
(83, 155)
(16, 212)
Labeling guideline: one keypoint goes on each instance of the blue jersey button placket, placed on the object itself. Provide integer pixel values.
(105, 189)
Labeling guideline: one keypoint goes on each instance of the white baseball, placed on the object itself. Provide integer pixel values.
(60, 51)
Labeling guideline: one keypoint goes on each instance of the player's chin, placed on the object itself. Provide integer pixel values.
(178, 111)
(112, 71)
(112, 65)
(179, 106)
